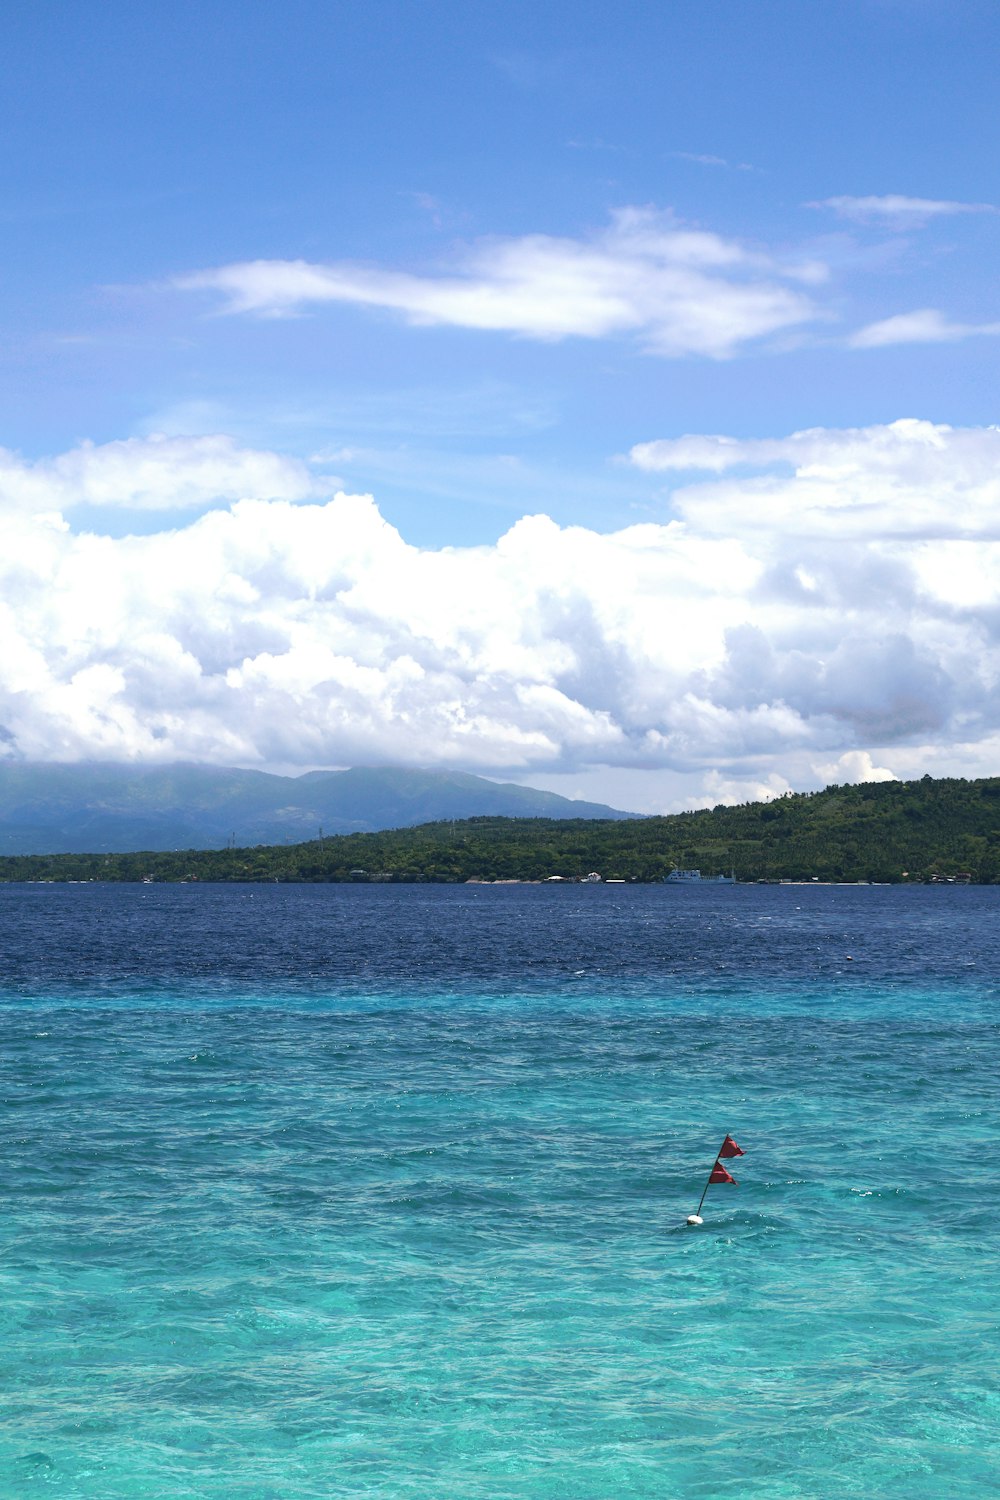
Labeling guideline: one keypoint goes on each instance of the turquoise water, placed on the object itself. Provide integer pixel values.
(381, 1191)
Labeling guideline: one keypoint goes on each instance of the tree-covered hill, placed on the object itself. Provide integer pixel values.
(889, 831)
(108, 809)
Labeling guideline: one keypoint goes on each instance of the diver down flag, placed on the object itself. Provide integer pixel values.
(719, 1173)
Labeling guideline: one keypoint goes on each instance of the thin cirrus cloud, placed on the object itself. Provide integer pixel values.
(841, 606)
(707, 159)
(897, 211)
(925, 325)
(678, 291)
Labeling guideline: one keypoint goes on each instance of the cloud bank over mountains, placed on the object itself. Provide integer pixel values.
(841, 604)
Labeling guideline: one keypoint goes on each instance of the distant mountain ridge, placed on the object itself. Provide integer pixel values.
(75, 809)
(936, 831)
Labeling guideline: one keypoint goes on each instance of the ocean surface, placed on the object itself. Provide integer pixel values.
(379, 1191)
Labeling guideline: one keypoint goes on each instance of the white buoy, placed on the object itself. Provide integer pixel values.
(695, 1219)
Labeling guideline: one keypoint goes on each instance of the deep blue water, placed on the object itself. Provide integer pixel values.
(380, 1191)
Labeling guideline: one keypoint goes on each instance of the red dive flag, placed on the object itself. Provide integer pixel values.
(718, 1174)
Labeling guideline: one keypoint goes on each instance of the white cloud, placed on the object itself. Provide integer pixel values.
(854, 767)
(707, 159)
(701, 158)
(679, 291)
(824, 623)
(907, 478)
(152, 473)
(731, 790)
(898, 211)
(924, 326)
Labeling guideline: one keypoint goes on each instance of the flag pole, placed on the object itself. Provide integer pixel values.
(696, 1218)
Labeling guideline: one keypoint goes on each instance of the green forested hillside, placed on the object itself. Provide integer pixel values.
(889, 831)
(51, 809)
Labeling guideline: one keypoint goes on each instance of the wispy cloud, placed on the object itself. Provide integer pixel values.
(706, 159)
(702, 158)
(429, 205)
(926, 325)
(593, 144)
(677, 290)
(897, 211)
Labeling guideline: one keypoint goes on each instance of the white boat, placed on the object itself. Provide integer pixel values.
(695, 877)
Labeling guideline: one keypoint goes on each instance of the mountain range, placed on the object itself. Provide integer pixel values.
(51, 809)
(935, 831)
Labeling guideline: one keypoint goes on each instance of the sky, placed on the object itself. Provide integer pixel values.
(601, 398)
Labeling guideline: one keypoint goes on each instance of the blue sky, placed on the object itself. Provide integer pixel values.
(488, 261)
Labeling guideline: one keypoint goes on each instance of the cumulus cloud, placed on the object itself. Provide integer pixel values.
(908, 478)
(898, 211)
(856, 766)
(926, 325)
(731, 789)
(678, 290)
(153, 473)
(841, 616)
